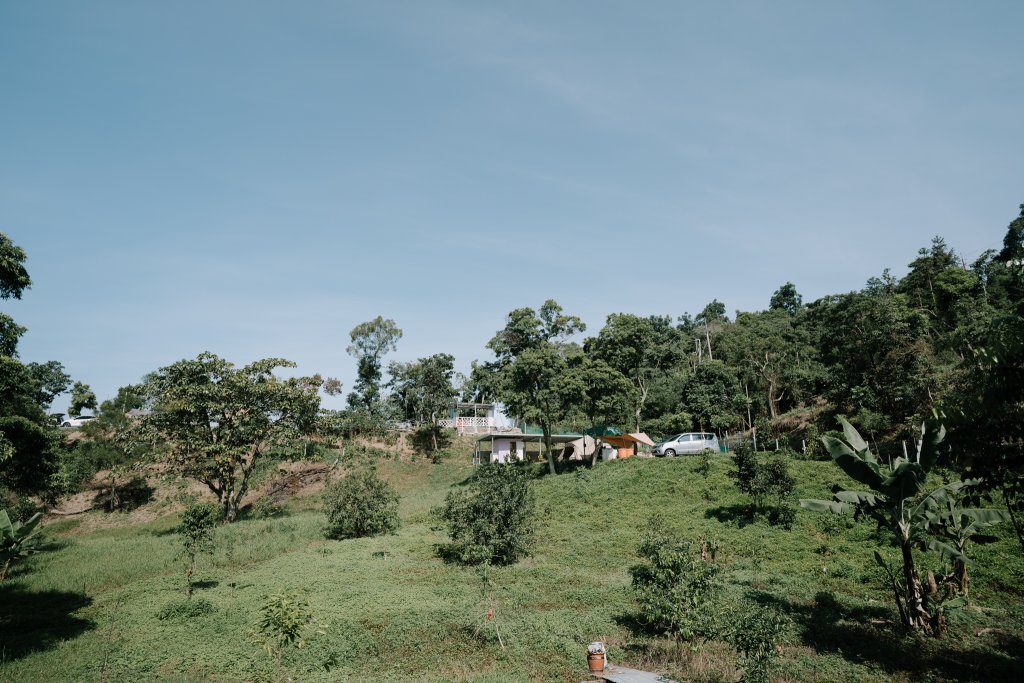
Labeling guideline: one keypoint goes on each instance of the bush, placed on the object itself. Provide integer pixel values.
(755, 636)
(196, 530)
(361, 504)
(675, 586)
(490, 522)
(768, 483)
(431, 440)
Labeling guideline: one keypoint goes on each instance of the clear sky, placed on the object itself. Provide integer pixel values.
(256, 178)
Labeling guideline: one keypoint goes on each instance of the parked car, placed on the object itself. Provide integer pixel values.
(690, 442)
(77, 421)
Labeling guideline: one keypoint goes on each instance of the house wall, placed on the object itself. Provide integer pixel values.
(501, 450)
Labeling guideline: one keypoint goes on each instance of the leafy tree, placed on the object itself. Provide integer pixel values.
(641, 349)
(285, 621)
(712, 396)
(490, 521)
(602, 394)
(877, 353)
(17, 540)
(29, 440)
(533, 375)
(890, 503)
(361, 504)
(787, 299)
(371, 341)
(675, 586)
(424, 389)
(50, 380)
(774, 354)
(82, 397)
(196, 530)
(14, 278)
(218, 421)
(1013, 242)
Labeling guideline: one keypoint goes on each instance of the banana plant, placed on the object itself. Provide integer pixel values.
(892, 490)
(17, 539)
(942, 513)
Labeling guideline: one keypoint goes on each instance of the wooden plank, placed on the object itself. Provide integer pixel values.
(621, 674)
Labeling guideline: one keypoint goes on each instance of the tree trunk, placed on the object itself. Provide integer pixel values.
(917, 616)
(547, 447)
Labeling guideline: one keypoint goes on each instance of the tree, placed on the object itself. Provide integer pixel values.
(787, 299)
(82, 397)
(490, 521)
(50, 379)
(890, 503)
(712, 396)
(14, 278)
(603, 395)
(361, 504)
(423, 390)
(219, 421)
(196, 529)
(641, 349)
(371, 341)
(531, 355)
(29, 440)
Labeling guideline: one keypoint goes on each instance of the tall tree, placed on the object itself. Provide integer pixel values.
(14, 278)
(218, 421)
(371, 341)
(82, 397)
(531, 356)
(641, 349)
(601, 393)
(787, 299)
(29, 440)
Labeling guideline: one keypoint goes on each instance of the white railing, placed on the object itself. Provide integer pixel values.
(470, 425)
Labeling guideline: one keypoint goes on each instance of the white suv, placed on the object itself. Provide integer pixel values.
(691, 442)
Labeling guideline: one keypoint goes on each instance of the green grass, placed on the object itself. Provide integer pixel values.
(90, 608)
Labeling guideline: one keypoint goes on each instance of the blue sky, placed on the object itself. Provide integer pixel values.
(256, 178)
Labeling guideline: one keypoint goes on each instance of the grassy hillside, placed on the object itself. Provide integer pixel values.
(89, 610)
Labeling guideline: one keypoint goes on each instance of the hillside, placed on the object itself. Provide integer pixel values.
(90, 608)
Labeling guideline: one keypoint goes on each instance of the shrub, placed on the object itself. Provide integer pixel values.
(196, 530)
(361, 504)
(703, 466)
(431, 440)
(284, 622)
(768, 483)
(490, 522)
(755, 636)
(675, 586)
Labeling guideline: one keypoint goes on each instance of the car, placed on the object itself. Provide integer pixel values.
(77, 421)
(690, 442)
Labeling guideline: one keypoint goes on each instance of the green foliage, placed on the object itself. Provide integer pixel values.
(492, 520)
(196, 528)
(285, 621)
(266, 508)
(756, 635)
(889, 502)
(768, 483)
(185, 610)
(13, 277)
(17, 539)
(218, 422)
(431, 440)
(361, 504)
(703, 466)
(82, 397)
(675, 586)
(371, 341)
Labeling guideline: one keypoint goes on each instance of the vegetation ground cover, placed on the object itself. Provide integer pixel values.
(91, 609)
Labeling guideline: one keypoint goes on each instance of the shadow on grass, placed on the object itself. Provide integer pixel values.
(739, 515)
(870, 634)
(32, 621)
(206, 583)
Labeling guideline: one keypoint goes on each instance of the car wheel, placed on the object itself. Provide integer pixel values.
(669, 452)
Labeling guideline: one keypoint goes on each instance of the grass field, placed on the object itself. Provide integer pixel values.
(88, 609)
